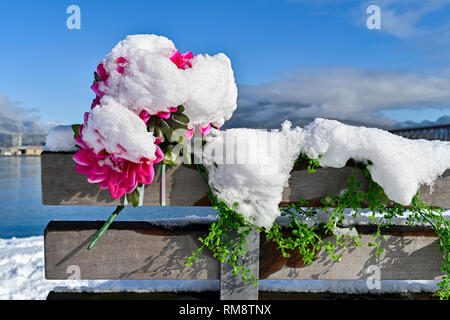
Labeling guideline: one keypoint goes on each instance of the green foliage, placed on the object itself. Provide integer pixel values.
(173, 134)
(304, 238)
(309, 240)
(227, 237)
(440, 225)
(313, 163)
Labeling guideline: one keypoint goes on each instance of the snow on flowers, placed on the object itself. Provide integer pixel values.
(147, 73)
(145, 90)
(116, 154)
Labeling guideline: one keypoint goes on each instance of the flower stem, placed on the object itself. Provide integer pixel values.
(105, 226)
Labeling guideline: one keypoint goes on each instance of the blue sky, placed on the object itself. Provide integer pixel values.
(47, 67)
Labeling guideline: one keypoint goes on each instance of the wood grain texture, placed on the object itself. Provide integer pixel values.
(62, 185)
(129, 250)
(141, 250)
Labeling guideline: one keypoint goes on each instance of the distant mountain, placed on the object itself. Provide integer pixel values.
(8, 125)
(411, 124)
(31, 132)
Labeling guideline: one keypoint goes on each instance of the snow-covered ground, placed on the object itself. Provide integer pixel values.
(22, 269)
(22, 277)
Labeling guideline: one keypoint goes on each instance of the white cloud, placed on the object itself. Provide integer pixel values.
(347, 94)
(401, 18)
(14, 118)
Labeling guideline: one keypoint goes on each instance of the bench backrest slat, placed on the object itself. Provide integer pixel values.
(62, 185)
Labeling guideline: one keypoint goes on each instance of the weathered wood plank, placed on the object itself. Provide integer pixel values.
(62, 185)
(129, 250)
(140, 250)
(406, 257)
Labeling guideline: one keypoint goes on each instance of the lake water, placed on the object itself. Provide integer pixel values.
(23, 215)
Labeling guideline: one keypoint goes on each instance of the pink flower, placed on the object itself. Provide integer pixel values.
(121, 64)
(144, 115)
(111, 171)
(103, 75)
(182, 60)
(203, 130)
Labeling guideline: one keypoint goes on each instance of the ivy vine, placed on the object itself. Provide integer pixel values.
(227, 234)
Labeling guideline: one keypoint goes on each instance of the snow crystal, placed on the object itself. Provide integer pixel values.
(119, 131)
(213, 92)
(400, 165)
(60, 138)
(253, 182)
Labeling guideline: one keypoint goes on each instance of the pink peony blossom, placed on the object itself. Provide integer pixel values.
(111, 171)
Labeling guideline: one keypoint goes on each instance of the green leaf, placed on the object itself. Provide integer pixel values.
(165, 128)
(151, 124)
(170, 158)
(133, 197)
(175, 125)
(96, 77)
(180, 109)
(158, 132)
(181, 118)
(75, 129)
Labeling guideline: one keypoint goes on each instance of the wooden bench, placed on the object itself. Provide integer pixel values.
(145, 250)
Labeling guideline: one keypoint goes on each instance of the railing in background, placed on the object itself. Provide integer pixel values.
(441, 132)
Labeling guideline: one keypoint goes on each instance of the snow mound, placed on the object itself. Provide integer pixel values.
(150, 81)
(213, 91)
(60, 138)
(119, 131)
(22, 270)
(400, 165)
(254, 185)
(249, 169)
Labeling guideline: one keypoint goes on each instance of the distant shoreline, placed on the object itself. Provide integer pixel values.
(21, 151)
(19, 155)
